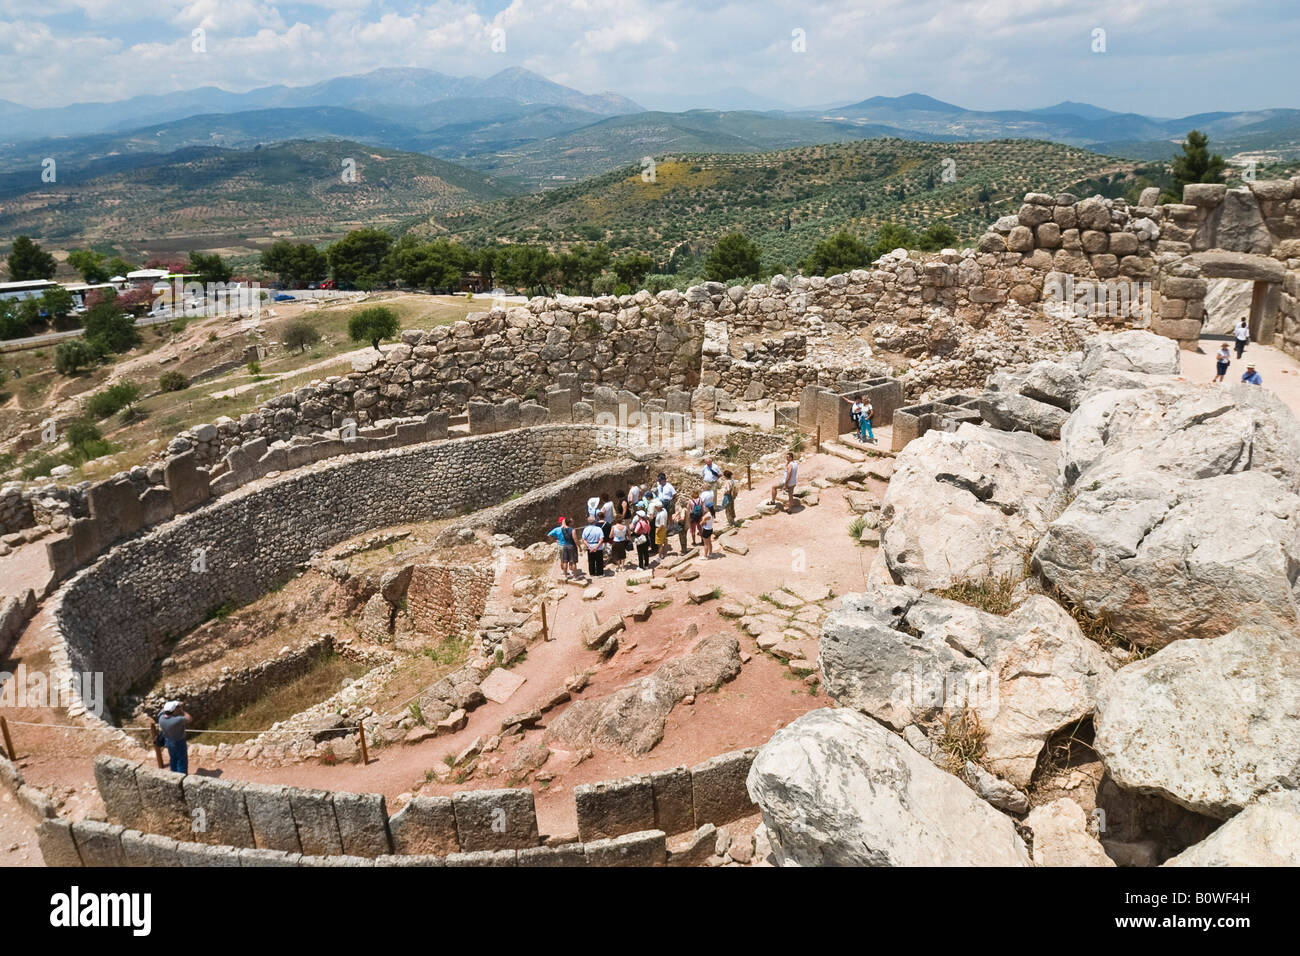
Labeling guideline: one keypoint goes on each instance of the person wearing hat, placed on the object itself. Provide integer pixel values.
(1251, 377)
(172, 723)
(665, 491)
(563, 536)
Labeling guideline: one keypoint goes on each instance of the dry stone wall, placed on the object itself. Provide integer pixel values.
(116, 615)
(620, 822)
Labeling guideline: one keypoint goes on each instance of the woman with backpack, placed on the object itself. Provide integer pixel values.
(696, 515)
(706, 531)
(641, 538)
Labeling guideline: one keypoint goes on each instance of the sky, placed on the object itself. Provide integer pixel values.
(1157, 57)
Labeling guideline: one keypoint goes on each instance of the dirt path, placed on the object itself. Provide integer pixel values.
(1280, 372)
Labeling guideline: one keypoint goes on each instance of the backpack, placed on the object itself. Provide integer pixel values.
(697, 510)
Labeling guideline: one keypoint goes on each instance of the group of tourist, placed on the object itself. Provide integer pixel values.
(1224, 357)
(641, 520)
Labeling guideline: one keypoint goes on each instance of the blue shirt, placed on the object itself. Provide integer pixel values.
(593, 536)
(558, 533)
(1252, 378)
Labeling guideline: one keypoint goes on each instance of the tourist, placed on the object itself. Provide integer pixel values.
(661, 529)
(697, 508)
(728, 491)
(593, 506)
(1242, 334)
(618, 542)
(681, 520)
(641, 531)
(623, 506)
(563, 536)
(706, 531)
(171, 728)
(787, 482)
(710, 472)
(634, 495)
(1251, 377)
(594, 538)
(665, 491)
(1221, 362)
(606, 513)
(865, 431)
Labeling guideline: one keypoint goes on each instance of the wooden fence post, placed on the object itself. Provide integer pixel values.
(9, 742)
(365, 756)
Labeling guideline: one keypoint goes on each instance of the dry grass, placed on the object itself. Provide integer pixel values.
(962, 739)
(281, 703)
(993, 595)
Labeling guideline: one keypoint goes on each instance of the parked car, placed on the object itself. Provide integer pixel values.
(285, 297)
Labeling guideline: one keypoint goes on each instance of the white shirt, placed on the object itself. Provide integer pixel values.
(1242, 333)
(706, 497)
(711, 473)
(608, 509)
(661, 518)
(593, 506)
(667, 492)
(633, 495)
(792, 473)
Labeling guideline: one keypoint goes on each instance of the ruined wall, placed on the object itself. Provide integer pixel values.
(448, 600)
(116, 615)
(234, 817)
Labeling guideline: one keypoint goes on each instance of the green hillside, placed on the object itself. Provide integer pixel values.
(785, 200)
(295, 186)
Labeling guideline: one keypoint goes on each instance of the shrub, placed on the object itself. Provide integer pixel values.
(113, 399)
(72, 356)
(85, 443)
(254, 367)
(300, 334)
(173, 381)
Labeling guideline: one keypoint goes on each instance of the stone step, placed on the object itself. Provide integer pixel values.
(851, 440)
(842, 451)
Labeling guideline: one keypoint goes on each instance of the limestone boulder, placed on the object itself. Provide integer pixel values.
(1061, 836)
(1012, 412)
(1131, 351)
(1209, 724)
(1266, 833)
(838, 789)
(908, 658)
(966, 505)
(1164, 558)
(1190, 431)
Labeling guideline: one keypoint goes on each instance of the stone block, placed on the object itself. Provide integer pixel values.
(483, 858)
(495, 819)
(271, 817)
(217, 811)
(204, 854)
(186, 483)
(415, 859)
(612, 808)
(98, 844)
(363, 823)
(426, 825)
(162, 800)
(313, 815)
(148, 849)
(115, 778)
(570, 854)
(674, 805)
(257, 858)
(156, 506)
(57, 844)
(718, 789)
(648, 848)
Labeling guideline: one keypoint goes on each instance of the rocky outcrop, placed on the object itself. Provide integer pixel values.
(838, 789)
(966, 505)
(631, 720)
(908, 658)
(1208, 724)
(1266, 833)
(1164, 558)
(1133, 351)
(1189, 431)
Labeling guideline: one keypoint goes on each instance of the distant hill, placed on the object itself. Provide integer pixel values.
(610, 143)
(398, 93)
(295, 186)
(786, 200)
